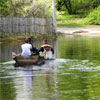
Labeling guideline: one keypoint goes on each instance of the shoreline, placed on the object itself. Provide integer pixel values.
(76, 31)
(85, 31)
(21, 37)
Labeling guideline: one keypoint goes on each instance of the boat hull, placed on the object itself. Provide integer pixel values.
(24, 61)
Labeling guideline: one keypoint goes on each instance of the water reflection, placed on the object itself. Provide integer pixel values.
(7, 90)
(24, 83)
(79, 80)
(37, 83)
(27, 83)
(6, 49)
(71, 47)
(73, 77)
(28, 77)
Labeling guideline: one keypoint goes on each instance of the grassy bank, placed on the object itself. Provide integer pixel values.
(92, 19)
(21, 37)
(72, 22)
(65, 20)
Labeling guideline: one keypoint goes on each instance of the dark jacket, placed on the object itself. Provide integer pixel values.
(46, 47)
(34, 51)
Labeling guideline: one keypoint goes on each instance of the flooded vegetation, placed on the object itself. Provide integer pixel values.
(73, 75)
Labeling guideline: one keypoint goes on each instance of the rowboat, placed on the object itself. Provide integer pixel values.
(24, 61)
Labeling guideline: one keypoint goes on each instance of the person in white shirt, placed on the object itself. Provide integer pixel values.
(26, 49)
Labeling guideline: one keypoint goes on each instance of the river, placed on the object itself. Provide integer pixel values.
(73, 75)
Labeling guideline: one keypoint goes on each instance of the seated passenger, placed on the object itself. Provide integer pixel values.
(34, 51)
(46, 50)
(26, 49)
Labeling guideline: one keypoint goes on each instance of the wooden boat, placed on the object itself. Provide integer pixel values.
(24, 61)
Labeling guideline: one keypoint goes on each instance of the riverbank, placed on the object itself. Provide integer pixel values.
(21, 37)
(77, 31)
(83, 31)
(75, 25)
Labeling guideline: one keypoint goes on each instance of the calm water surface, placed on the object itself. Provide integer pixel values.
(74, 75)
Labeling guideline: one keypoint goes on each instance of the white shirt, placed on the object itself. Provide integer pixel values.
(26, 50)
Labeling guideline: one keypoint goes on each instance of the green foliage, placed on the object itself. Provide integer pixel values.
(77, 6)
(81, 9)
(40, 8)
(93, 17)
(63, 15)
(69, 24)
(66, 20)
(3, 7)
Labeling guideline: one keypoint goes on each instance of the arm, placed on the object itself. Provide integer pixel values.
(52, 50)
(40, 49)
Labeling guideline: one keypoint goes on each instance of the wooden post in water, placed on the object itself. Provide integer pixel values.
(54, 17)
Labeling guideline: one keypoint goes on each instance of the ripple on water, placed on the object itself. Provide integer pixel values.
(8, 67)
(81, 65)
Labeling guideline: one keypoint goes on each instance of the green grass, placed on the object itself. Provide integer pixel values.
(68, 23)
(71, 22)
(64, 16)
(65, 20)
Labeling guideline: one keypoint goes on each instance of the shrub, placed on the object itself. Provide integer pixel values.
(40, 8)
(93, 17)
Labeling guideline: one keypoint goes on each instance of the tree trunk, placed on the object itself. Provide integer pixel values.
(13, 7)
(68, 6)
(94, 3)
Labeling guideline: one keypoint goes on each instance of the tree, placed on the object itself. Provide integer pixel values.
(3, 7)
(95, 3)
(76, 6)
(68, 6)
(61, 4)
(41, 8)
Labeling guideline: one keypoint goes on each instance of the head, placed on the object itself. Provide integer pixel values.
(28, 39)
(44, 41)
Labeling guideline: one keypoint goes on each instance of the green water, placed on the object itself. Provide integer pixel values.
(79, 77)
(74, 75)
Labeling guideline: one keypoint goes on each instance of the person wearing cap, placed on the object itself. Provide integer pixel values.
(46, 50)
